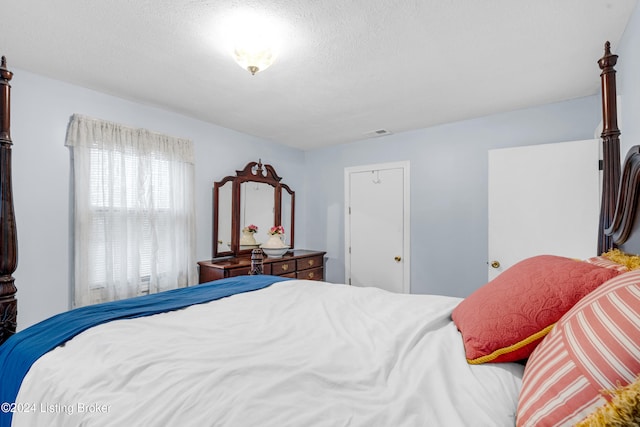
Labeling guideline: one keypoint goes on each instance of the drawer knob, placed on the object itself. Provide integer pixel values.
(311, 275)
(285, 267)
(311, 262)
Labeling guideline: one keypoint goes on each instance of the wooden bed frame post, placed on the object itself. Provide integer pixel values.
(8, 236)
(610, 147)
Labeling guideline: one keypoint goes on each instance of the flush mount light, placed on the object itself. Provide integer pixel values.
(254, 40)
(253, 60)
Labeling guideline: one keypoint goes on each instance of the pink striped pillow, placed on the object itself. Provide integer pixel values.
(595, 346)
(601, 261)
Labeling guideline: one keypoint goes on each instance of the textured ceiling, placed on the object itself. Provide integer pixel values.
(344, 70)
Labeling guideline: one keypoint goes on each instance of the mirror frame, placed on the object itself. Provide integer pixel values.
(252, 172)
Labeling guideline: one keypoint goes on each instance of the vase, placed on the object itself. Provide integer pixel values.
(247, 238)
(275, 241)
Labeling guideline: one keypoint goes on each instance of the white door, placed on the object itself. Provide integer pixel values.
(543, 199)
(377, 226)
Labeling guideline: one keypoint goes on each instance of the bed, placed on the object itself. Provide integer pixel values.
(269, 351)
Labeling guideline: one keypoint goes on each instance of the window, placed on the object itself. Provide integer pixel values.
(133, 211)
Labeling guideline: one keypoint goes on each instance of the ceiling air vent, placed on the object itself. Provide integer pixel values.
(376, 133)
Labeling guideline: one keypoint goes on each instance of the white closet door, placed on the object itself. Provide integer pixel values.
(543, 199)
(376, 227)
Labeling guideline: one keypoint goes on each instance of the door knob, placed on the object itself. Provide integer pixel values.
(397, 259)
(495, 264)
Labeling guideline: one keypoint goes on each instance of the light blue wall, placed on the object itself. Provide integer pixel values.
(41, 109)
(629, 83)
(448, 188)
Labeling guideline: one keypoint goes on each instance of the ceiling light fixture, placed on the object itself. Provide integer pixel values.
(253, 60)
(254, 39)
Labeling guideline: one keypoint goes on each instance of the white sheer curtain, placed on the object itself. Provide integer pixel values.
(134, 211)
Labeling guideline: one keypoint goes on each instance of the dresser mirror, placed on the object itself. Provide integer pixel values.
(222, 214)
(254, 196)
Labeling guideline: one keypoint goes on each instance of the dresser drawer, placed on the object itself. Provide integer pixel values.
(239, 271)
(311, 274)
(281, 268)
(291, 275)
(310, 262)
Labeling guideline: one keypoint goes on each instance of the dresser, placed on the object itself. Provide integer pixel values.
(297, 263)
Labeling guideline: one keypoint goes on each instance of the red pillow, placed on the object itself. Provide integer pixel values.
(506, 319)
(594, 347)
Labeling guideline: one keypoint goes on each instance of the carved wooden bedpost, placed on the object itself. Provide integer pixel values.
(8, 236)
(610, 147)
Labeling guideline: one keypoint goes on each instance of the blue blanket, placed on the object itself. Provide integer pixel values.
(20, 351)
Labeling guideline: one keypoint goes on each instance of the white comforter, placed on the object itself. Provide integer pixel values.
(298, 353)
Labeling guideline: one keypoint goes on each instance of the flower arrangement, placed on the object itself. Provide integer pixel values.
(278, 229)
(250, 229)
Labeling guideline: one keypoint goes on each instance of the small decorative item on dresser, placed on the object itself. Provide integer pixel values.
(275, 252)
(256, 262)
(275, 247)
(247, 240)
